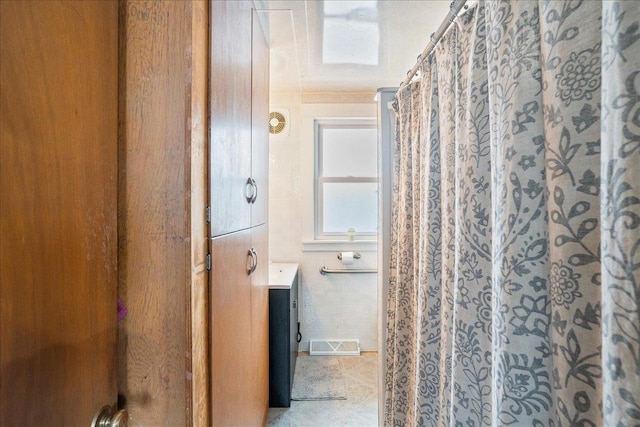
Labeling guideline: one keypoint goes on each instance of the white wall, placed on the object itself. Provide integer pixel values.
(332, 306)
(285, 192)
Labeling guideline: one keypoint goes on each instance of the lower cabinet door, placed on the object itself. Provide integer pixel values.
(239, 328)
(230, 322)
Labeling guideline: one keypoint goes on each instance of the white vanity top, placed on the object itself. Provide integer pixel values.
(281, 274)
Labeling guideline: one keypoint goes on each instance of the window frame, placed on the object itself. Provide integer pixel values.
(319, 180)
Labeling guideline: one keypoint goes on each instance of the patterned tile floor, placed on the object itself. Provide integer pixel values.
(359, 410)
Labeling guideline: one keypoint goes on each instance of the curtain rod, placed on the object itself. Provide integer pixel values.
(454, 9)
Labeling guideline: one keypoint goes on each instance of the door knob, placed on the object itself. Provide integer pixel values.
(107, 418)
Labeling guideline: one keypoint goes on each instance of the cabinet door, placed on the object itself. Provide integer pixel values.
(58, 200)
(260, 321)
(239, 328)
(260, 121)
(230, 100)
(232, 358)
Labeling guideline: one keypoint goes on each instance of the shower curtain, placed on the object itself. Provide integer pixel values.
(515, 261)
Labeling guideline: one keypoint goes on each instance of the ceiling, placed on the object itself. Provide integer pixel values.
(347, 46)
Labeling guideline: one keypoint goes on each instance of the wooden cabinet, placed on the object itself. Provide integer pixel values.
(238, 175)
(259, 121)
(230, 307)
(230, 116)
(239, 327)
(239, 139)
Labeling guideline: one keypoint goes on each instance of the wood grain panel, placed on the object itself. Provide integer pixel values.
(259, 214)
(259, 121)
(259, 405)
(230, 98)
(232, 366)
(199, 244)
(58, 194)
(155, 245)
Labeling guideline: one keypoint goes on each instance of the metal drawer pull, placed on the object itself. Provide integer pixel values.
(255, 191)
(250, 190)
(253, 260)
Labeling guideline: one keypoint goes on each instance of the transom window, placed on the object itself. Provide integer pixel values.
(346, 179)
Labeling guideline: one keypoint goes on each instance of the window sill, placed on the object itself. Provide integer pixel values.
(339, 245)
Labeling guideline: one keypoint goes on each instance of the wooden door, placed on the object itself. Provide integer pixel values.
(260, 121)
(58, 193)
(230, 125)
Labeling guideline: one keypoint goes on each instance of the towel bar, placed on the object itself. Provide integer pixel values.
(324, 271)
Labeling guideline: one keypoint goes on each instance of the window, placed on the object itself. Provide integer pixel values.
(346, 178)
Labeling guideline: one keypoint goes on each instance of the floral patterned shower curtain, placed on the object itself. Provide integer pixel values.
(515, 270)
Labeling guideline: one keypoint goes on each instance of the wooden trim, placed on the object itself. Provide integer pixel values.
(155, 211)
(200, 388)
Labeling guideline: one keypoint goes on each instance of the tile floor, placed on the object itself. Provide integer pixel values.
(360, 409)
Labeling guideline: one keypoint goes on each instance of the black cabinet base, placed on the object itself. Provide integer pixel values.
(283, 344)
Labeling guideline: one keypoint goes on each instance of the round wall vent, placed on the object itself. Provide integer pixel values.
(277, 122)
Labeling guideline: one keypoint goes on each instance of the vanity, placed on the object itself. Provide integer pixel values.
(284, 332)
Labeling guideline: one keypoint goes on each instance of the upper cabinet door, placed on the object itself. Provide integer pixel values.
(58, 207)
(260, 121)
(231, 184)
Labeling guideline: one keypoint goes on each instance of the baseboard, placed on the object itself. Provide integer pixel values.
(362, 353)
